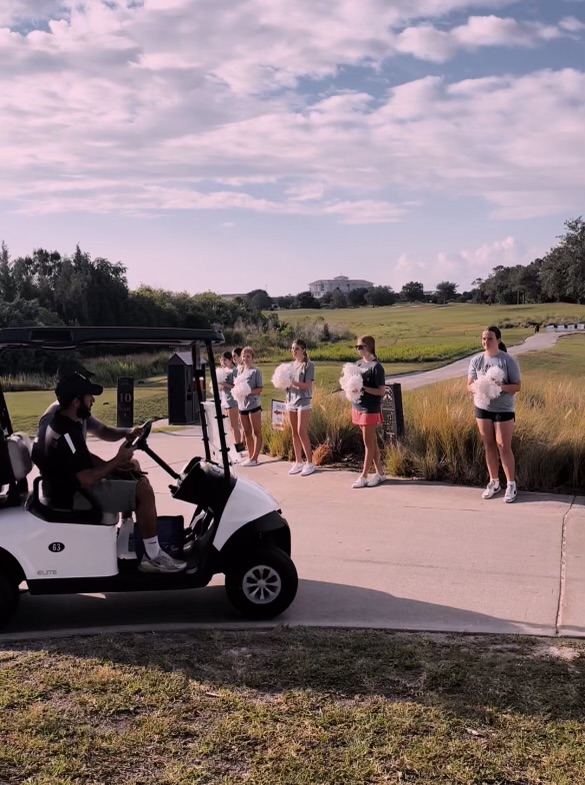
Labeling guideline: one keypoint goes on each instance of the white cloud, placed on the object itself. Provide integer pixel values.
(102, 113)
(462, 266)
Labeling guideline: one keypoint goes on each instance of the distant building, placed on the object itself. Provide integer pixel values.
(231, 296)
(342, 282)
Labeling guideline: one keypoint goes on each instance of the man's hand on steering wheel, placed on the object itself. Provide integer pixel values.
(135, 433)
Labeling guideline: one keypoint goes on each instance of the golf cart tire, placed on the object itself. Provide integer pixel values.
(9, 596)
(248, 597)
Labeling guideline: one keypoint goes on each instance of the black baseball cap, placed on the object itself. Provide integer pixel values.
(74, 385)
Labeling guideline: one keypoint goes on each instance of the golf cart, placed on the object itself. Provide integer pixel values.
(236, 529)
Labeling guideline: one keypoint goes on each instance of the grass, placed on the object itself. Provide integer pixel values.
(407, 333)
(292, 707)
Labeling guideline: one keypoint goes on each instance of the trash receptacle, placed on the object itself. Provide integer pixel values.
(183, 409)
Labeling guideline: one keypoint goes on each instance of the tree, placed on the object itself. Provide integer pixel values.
(357, 297)
(306, 300)
(338, 299)
(380, 295)
(259, 299)
(447, 290)
(413, 292)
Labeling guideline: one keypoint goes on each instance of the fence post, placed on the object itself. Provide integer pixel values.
(125, 402)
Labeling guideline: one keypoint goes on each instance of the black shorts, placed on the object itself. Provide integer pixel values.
(251, 411)
(483, 414)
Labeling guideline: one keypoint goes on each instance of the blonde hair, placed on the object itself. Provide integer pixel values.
(369, 342)
(249, 349)
(303, 346)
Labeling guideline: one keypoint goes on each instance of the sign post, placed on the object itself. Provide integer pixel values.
(125, 408)
(278, 415)
(393, 413)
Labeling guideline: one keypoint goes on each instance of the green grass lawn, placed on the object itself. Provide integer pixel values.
(292, 707)
(433, 332)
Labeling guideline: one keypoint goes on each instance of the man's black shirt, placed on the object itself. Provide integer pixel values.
(66, 455)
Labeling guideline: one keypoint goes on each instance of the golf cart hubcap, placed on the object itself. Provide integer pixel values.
(261, 584)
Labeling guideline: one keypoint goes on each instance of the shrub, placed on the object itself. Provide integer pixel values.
(442, 442)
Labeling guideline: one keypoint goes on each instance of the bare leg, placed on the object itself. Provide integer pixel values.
(303, 424)
(488, 436)
(145, 509)
(248, 434)
(234, 418)
(294, 427)
(372, 450)
(504, 433)
(256, 424)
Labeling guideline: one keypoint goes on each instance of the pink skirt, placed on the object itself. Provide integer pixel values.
(361, 418)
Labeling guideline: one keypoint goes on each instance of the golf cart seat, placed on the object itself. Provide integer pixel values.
(18, 464)
(40, 504)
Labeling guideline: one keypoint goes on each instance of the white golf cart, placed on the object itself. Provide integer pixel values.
(236, 529)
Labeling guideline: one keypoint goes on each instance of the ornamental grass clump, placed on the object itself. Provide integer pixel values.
(442, 442)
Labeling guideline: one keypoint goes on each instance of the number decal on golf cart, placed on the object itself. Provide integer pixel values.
(56, 547)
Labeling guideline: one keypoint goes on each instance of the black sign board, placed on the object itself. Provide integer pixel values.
(125, 402)
(392, 413)
(5, 422)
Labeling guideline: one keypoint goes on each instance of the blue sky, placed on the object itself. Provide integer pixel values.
(236, 144)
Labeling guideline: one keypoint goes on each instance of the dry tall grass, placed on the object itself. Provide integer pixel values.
(333, 436)
(442, 441)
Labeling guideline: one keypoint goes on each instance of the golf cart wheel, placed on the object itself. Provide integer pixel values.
(9, 596)
(263, 585)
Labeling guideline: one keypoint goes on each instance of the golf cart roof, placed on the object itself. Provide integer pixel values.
(71, 337)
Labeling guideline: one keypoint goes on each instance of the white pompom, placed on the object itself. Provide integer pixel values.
(352, 382)
(241, 390)
(283, 376)
(487, 387)
(222, 377)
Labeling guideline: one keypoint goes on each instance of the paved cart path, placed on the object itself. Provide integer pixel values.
(406, 555)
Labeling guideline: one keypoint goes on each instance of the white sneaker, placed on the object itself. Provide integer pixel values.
(308, 468)
(493, 487)
(511, 493)
(296, 468)
(375, 480)
(361, 482)
(249, 462)
(162, 563)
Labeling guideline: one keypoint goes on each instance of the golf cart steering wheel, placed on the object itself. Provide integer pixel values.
(140, 443)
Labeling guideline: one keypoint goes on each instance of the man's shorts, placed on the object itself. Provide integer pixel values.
(111, 495)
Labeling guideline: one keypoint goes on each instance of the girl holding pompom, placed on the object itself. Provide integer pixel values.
(228, 402)
(299, 399)
(250, 408)
(366, 411)
(495, 416)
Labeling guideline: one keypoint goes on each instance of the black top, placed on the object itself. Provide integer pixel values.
(66, 455)
(373, 376)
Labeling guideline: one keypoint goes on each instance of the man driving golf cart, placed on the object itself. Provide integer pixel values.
(74, 477)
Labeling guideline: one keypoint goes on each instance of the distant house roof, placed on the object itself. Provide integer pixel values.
(341, 278)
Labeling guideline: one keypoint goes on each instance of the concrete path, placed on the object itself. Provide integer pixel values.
(406, 555)
(534, 343)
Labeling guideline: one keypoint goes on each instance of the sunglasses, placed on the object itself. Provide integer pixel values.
(360, 346)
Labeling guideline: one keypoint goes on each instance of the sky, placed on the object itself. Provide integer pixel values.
(229, 145)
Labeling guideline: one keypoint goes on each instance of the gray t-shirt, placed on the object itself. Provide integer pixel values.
(227, 399)
(302, 372)
(479, 365)
(254, 379)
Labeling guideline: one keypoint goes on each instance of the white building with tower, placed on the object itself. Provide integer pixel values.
(342, 282)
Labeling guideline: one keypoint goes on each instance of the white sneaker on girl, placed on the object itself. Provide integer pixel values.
(308, 468)
(493, 487)
(511, 493)
(375, 480)
(296, 468)
(361, 482)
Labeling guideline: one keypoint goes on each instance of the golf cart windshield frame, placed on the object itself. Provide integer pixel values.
(67, 338)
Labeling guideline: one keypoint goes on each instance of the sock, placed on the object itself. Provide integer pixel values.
(151, 547)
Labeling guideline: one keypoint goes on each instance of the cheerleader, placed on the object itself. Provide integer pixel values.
(299, 399)
(367, 410)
